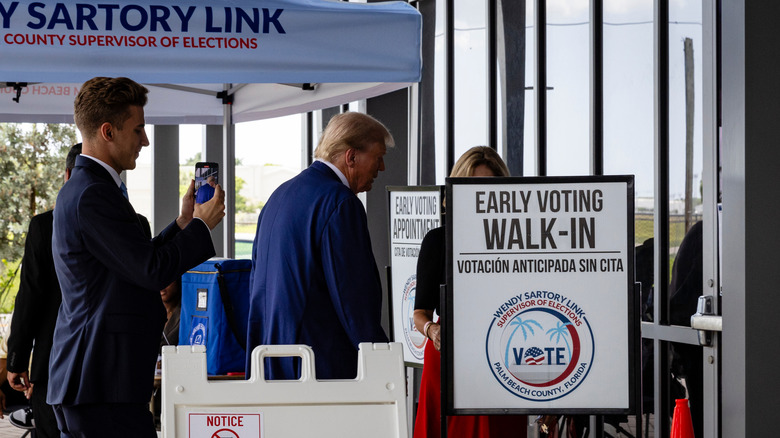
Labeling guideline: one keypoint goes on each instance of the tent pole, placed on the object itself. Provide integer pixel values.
(229, 173)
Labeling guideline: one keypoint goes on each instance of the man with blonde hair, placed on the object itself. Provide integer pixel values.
(314, 277)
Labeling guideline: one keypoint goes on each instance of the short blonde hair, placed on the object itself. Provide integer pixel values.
(351, 130)
(477, 156)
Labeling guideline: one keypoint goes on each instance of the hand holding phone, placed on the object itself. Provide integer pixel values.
(206, 179)
(212, 211)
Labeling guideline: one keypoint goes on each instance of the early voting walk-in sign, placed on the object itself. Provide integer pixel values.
(414, 210)
(539, 313)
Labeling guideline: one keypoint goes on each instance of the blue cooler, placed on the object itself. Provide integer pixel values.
(214, 312)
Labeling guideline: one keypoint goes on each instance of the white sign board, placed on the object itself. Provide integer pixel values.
(371, 405)
(414, 211)
(539, 309)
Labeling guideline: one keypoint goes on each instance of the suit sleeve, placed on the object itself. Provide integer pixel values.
(115, 238)
(33, 284)
(351, 273)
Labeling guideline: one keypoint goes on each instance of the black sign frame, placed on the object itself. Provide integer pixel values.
(632, 311)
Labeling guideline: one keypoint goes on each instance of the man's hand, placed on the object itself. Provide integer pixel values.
(213, 211)
(187, 206)
(19, 381)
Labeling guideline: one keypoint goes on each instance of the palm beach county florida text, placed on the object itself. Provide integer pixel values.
(539, 231)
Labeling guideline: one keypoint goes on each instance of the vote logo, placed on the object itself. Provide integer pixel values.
(414, 339)
(539, 345)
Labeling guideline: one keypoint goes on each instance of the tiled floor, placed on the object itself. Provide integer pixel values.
(7, 430)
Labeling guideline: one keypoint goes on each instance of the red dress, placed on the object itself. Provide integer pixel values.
(428, 422)
(431, 272)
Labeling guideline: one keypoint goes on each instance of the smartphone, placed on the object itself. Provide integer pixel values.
(206, 178)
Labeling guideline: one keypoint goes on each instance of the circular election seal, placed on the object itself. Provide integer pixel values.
(540, 345)
(414, 339)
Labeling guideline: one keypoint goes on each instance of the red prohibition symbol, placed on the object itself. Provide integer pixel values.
(228, 434)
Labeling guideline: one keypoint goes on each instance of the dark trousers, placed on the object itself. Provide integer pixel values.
(45, 421)
(117, 420)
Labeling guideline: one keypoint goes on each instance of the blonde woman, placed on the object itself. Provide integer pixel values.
(479, 161)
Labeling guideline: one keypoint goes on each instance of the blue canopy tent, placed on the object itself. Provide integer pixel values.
(215, 62)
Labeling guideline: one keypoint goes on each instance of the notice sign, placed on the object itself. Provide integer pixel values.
(538, 314)
(413, 212)
(225, 425)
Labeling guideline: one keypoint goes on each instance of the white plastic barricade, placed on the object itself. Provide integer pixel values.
(371, 405)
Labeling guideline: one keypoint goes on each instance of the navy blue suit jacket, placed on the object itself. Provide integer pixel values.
(111, 317)
(38, 301)
(314, 277)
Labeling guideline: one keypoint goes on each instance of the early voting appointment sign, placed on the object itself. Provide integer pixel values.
(414, 210)
(539, 305)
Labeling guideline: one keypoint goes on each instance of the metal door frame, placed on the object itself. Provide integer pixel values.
(711, 235)
(659, 330)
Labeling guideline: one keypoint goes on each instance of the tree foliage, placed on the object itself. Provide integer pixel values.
(192, 160)
(31, 173)
(243, 205)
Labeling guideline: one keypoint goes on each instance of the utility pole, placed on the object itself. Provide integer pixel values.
(689, 111)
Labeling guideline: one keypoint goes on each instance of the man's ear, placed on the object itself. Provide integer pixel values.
(106, 131)
(350, 156)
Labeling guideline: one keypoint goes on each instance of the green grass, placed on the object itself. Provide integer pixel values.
(643, 229)
(246, 228)
(243, 250)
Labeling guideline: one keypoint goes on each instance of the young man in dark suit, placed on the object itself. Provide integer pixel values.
(101, 370)
(34, 317)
